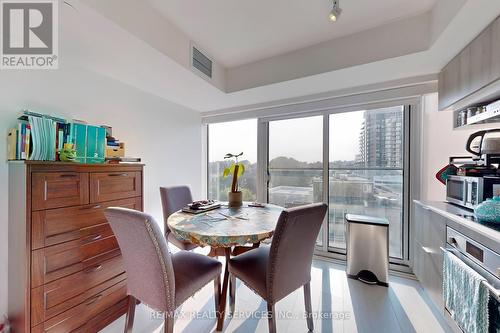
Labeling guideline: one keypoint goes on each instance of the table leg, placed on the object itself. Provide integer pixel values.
(225, 285)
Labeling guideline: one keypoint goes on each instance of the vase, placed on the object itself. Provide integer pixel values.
(235, 199)
(488, 211)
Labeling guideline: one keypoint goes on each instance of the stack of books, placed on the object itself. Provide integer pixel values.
(203, 206)
(39, 137)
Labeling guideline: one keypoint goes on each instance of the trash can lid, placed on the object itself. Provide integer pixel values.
(353, 218)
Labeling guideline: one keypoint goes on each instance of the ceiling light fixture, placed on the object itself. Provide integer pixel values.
(336, 11)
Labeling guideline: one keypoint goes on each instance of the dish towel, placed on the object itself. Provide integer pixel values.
(465, 296)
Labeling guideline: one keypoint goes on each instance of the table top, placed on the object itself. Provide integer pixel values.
(226, 227)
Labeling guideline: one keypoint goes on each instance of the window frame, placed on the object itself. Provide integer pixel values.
(412, 107)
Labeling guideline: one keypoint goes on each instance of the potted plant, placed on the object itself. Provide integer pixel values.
(236, 169)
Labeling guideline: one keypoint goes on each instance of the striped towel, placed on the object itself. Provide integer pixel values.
(465, 296)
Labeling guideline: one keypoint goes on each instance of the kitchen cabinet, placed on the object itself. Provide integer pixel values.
(475, 67)
(430, 236)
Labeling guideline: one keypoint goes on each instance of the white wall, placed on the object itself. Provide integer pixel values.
(166, 136)
(439, 142)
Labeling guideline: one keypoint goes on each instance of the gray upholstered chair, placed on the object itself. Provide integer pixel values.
(173, 199)
(155, 277)
(275, 271)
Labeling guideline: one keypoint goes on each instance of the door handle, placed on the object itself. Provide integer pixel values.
(118, 175)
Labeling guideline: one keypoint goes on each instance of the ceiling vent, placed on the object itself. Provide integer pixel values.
(201, 62)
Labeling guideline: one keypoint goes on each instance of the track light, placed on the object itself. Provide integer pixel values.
(336, 11)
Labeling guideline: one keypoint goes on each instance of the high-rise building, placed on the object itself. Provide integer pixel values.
(381, 139)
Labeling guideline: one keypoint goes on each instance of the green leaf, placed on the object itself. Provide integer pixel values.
(241, 169)
(227, 172)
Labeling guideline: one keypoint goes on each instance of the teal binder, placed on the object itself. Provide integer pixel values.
(90, 143)
(78, 135)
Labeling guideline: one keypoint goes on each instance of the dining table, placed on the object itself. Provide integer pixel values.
(227, 231)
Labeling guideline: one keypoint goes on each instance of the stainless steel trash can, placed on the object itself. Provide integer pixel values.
(367, 249)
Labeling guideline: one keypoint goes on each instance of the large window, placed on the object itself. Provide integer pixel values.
(354, 161)
(232, 137)
(366, 171)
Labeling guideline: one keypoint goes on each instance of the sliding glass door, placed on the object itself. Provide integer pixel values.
(366, 171)
(295, 164)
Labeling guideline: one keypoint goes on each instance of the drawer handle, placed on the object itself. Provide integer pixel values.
(94, 299)
(92, 238)
(118, 175)
(93, 269)
(427, 250)
(68, 175)
(91, 207)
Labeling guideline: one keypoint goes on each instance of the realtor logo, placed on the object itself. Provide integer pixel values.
(29, 34)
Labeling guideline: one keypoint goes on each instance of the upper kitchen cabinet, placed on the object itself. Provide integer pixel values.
(473, 76)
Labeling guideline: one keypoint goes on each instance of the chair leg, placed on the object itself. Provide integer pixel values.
(271, 318)
(217, 288)
(308, 306)
(129, 317)
(232, 293)
(168, 326)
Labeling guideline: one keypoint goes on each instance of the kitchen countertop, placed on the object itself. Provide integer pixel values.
(455, 219)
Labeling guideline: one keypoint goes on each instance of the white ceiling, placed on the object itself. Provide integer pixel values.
(237, 32)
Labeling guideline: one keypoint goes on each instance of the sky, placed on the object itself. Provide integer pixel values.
(300, 138)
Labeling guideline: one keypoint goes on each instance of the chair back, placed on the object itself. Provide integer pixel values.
(173, 199)
(292, 248)
(150, 274)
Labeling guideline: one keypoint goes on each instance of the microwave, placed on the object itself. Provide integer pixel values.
(469, 192)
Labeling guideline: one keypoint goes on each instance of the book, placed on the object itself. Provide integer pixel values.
(202, 208)
(12, 144)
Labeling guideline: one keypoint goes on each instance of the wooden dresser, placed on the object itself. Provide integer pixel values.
(65, 268)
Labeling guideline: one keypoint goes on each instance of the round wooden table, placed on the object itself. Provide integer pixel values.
(224, 229)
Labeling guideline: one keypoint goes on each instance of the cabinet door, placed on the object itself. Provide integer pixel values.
(106, 186)
(480, 61)
(495, 49)
(59, 189)
(420, 221)
(428, 256)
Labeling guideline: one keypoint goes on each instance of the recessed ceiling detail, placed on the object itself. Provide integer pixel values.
(238, 32)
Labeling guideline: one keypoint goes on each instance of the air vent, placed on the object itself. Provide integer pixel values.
(202, 62)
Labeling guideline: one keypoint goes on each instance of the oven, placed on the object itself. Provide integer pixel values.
(484, 261)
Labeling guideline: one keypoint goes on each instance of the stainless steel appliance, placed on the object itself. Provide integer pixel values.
(367, 249)
(469, 192)
(486, 145)
(484, 261)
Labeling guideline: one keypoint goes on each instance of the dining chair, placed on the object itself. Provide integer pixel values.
(275, 271)
(173, 199)
(160, 280)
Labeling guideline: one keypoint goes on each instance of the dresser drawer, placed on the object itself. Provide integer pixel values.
(57, 226)
(59, 189)
(54, 262)
(60, 295)
(107, 186)
(97, 301)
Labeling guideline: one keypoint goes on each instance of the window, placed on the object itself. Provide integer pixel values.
(366, 171)
(295, 161)
(232, 137)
